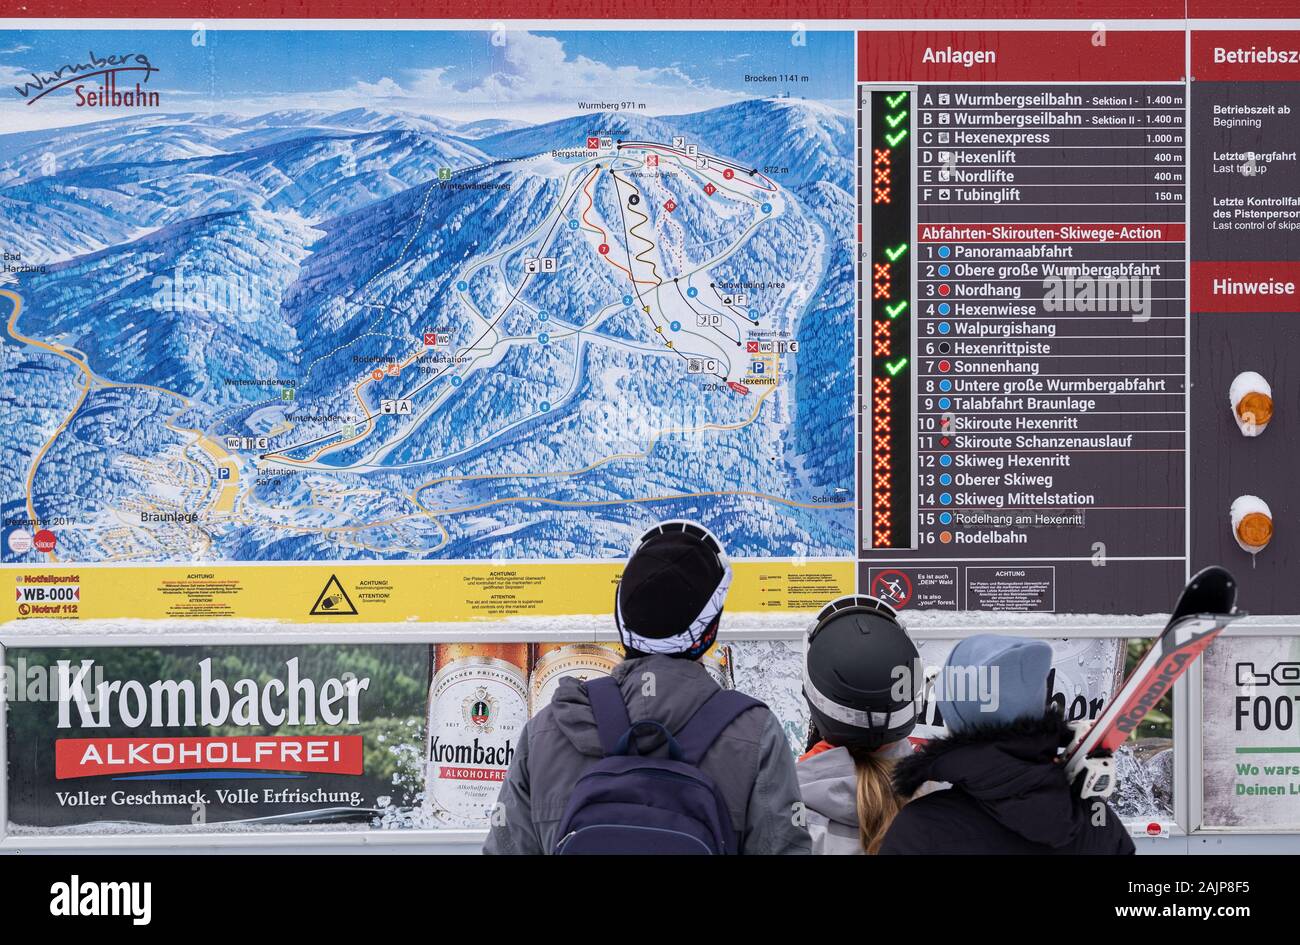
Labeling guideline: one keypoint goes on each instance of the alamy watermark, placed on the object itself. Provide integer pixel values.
(1079, 292)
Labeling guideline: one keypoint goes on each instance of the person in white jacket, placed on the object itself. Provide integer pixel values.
(859, 682)
(849, 800)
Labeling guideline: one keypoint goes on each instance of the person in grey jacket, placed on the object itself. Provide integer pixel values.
(667, 609)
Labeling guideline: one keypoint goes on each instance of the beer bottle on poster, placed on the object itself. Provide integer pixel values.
(478, 704)
(553, 661)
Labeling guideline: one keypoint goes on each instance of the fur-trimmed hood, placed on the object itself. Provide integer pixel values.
(1009, 770)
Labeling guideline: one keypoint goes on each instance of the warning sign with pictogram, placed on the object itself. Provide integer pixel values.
(333, 600)
(893, 587)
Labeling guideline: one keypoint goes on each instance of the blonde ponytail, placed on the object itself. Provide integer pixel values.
(878, 804)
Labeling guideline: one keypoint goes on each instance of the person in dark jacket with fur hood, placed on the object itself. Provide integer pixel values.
(1007, 789)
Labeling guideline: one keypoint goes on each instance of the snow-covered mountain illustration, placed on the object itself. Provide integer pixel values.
(365, 334)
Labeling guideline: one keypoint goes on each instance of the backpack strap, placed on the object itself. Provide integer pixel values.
(627, 744)
(710, 720)
(607, 705)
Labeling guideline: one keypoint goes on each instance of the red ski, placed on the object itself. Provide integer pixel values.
(1206, 607)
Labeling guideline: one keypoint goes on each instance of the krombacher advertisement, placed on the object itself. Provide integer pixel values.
(110, 739)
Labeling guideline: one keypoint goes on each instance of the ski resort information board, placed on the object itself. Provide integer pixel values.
(425, 323)
(1046, 425)
(418, 320)
(1245, 252)
(366, 349)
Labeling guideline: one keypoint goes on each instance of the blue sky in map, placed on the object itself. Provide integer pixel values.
(532, 76)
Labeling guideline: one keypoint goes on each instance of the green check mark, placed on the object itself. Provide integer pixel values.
(897, 366)
(893, 311)
(893, 253)
(893, 120)
(896, 137)
(893, 100)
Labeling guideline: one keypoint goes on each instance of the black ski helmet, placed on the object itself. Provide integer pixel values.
(856, 651)
(670, 597)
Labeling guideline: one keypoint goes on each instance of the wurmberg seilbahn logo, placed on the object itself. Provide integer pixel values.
(116, 80)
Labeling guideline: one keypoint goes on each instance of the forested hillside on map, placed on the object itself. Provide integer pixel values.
(379, 333)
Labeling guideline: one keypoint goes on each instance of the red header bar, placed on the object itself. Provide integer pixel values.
(1246, 55)
(318, 754)
(1241, 10)
(1020, 56)
(1245, 286)
(1021, 10)
(1050, 233)
(793, 10)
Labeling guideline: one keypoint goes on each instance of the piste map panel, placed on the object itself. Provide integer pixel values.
(303, 296)
(421, 322)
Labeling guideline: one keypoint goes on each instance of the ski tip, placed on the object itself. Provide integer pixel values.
(1211, 590)
(1215, 575)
